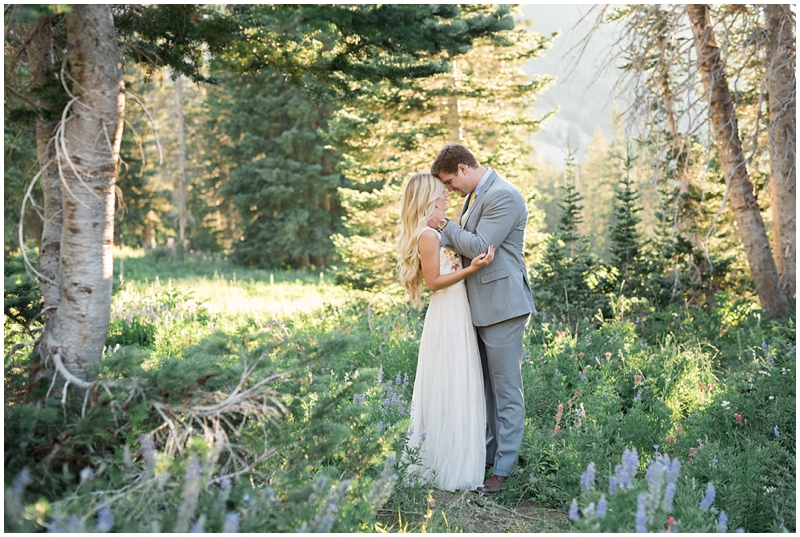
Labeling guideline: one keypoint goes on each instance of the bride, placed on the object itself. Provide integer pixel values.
(448, 410)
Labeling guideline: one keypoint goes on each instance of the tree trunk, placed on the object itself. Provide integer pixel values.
(729, 146)
(89, 158)
(40, 58)
(182, 196)
(453, 113)
(782, 87)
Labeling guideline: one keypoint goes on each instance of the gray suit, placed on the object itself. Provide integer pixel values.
(501, 304)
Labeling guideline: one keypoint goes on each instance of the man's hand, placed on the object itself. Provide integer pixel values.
(438, 214)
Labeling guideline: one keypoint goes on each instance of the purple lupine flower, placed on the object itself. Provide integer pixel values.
(355, 398)
(398, 379)
(669, 496)
(75, 525)
(776, 431)
(224, 492)
(613, 484)
(573, 510)
(231, 523)
(587, 478)
(379, 377)
(674, 470)
(410, 432)
(22, 480)
(405, 379)
(722, 525)
(708, 497)
(630, 460)
(641, 513)
(105, 520)
(739, 530)
(198, 526)
(602, 506)
(422, 436)
(638, 395)
(380, 426)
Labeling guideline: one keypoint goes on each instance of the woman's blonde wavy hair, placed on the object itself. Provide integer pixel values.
(417, 206)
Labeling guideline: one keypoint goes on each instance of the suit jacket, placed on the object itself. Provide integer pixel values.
(499, 291)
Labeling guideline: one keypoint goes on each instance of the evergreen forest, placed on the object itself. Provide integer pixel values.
(203, 324)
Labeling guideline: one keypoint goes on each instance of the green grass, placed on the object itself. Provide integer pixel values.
(182, 332)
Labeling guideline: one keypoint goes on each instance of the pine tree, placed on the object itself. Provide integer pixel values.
(396, 130)
(569, 281)
(626, 239)
(282, 179)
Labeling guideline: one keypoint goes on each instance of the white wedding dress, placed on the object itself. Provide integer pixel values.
(448, 409)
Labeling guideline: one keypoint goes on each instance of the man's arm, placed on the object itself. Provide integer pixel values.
(499, 217)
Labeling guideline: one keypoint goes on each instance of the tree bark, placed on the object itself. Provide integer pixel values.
(782, 87)
(88, 158)
(40, 59)
(729, 146)
(453, 112)
(182, 196)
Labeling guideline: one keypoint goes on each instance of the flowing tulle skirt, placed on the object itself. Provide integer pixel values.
(448, 409)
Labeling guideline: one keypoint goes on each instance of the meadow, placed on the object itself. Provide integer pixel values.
(237, 399)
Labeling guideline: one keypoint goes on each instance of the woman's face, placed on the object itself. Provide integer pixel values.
(441, 201)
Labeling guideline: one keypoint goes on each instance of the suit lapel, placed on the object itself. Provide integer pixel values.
(479, 199)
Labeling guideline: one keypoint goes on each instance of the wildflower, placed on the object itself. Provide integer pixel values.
(422, 436)
(630, 461)
(608, 355)
(641, 513)
(398, 379)
(637, 379)
(559, 412)
(708, 497)
(87, 474)
(380, 426)
(737, 417)
(104, 520)
(558, 428)
(674, 471)
(613, 484)
(587, 478)
(580, 354)
(671, 521)
(231, 523)
(722, 525)
(582, 376)
(199, 525)
(725, 404)
(22, 480)
(669, 496)
(638, 396)
(379, 377)
(602, 506)
(410, 432)
(573, 510)
(776, 431)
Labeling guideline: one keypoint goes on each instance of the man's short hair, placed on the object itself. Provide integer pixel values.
(450, 157)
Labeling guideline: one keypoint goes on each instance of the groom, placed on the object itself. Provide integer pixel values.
(499, 296)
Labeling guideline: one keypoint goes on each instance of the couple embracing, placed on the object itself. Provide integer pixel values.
(467, 409)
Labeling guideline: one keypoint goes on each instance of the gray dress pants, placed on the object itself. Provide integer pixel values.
(500, 346)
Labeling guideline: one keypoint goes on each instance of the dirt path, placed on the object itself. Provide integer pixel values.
(469, 512)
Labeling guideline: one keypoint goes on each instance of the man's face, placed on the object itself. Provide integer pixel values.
(456, 181)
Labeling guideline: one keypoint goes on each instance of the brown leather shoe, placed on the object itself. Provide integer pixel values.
(492, 485)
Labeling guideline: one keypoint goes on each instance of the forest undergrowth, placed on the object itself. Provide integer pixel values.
(245, 400)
